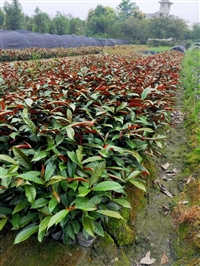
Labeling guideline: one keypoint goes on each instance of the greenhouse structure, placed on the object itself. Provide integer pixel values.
(20, 39)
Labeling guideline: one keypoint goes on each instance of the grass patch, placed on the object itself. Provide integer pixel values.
(160, 48)
(187, 213)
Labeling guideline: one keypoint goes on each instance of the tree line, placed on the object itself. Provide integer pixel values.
(124, 22)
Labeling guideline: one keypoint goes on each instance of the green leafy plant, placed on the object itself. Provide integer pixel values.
(73, 137)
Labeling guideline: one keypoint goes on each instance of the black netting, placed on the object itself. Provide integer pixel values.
(106, 42)
(35, 40)
(20, 39)
(22, 31)
(48, 39)
(119, 42)
(12, 40)
(94, 42)
(69, 40)
(60, 41)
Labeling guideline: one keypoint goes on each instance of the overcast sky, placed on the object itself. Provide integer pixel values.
(186, 9)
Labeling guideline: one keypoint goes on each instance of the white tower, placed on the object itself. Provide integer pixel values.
(165, 6)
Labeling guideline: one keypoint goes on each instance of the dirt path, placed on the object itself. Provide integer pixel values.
(155, 228)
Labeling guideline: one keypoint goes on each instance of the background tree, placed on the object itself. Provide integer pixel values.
(178, 29)
(158, 27)
(195, 32)
(60, 24)
(126, 8)
(28, 22)
(2, 18)
(14, 17)
(76, 26)
(100, 20)
(41, 21)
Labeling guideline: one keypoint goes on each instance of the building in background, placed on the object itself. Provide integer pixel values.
(165, 6)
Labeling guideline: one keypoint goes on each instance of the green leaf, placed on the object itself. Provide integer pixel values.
(15, 220)
(59, 139)
(116, 137)
(22, 158)
(25, 233)
(39, 155)
(79, 154)
(98, 171)
(76, 226)
(92, 159)
(41, 236)
(124, 203)
(134, 174)
(29, 122)
(107, 186)
(145, 93)
(72, 106)
(3, 172)
(27, 219)
(135, 154)
(51, 144)
(98, 229)
(43, 224)
(71, 168)
(49, 170)
(41, 202)
(30, 192)
(84, 204)
(121, 106)
(138, 184)
(114, 148)
(3, 222)
(5, 210)
(20, 206)
(69, 114)
(7, 159)
(52, 204)
(73, 157)
(83, 191)
(110, 213)
(5, 177)
(13, 169)
(59, 216)
(32, 176)
(88, 225)
(44, 210)
(131, 144)
(55, 179)
(70, 231)
(70, 133)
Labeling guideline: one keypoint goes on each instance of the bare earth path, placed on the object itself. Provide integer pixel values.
(154, 223)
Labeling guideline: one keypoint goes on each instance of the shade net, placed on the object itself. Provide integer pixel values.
(20, 39)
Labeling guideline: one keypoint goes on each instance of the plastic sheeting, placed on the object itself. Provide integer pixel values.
(179, 48)
(21, 39)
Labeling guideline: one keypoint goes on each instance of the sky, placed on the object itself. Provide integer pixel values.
(188, 10)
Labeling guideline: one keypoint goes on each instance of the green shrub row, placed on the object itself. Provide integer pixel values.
(74, 134)
(7, 55)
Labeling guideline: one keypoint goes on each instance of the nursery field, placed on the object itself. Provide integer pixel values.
(75, 133)
(77, 141)
(7, 55)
